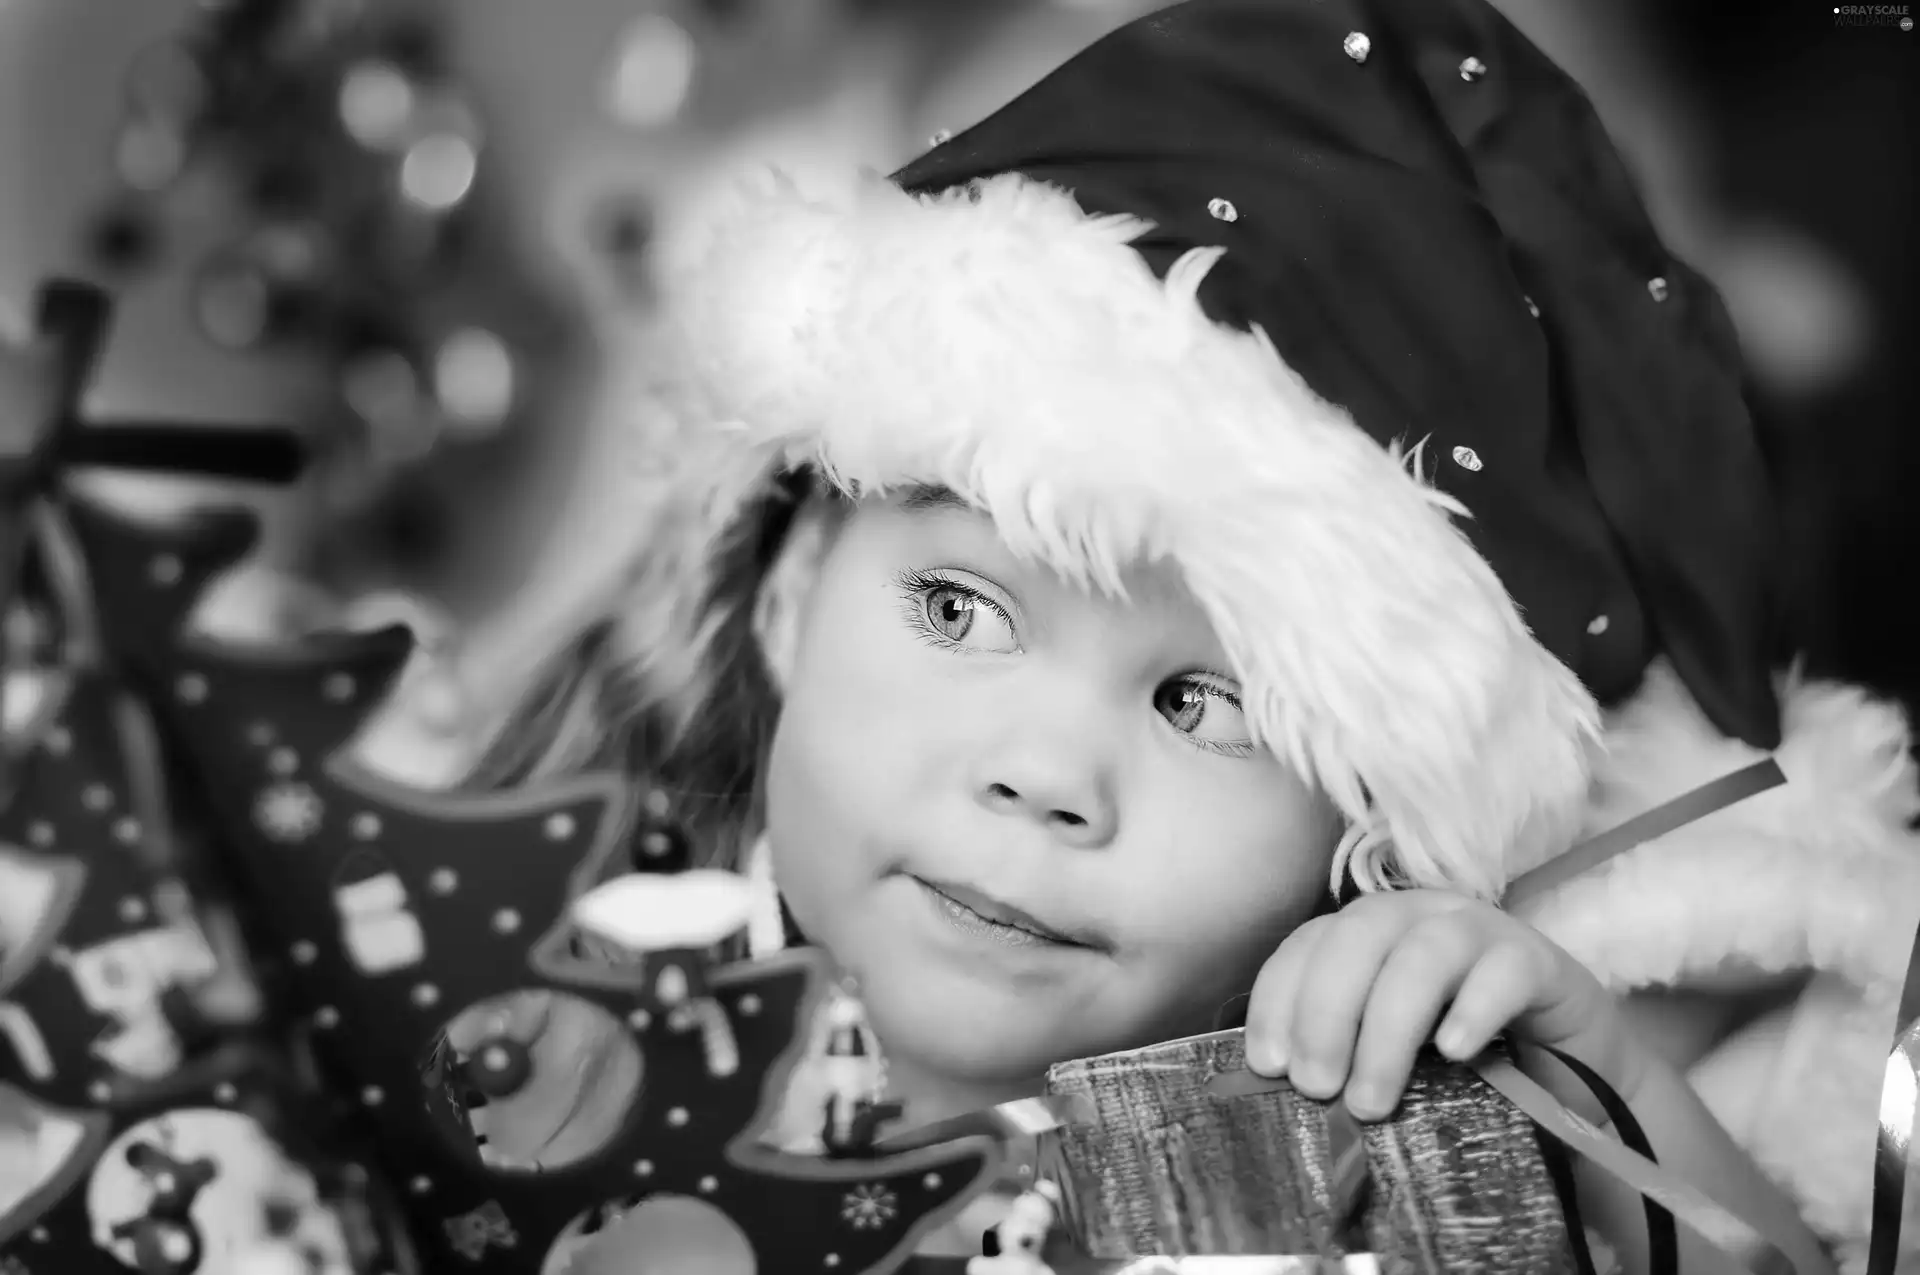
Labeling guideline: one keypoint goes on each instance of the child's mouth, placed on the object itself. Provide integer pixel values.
(975, 914)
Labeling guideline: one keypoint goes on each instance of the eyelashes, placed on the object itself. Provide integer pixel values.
(1213, 696)
(917, 587)
(1219, 726)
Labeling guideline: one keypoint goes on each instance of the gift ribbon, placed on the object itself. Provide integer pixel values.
(1726, 1230)
(1739, 1239)
(1900, 1084)
(1705, 800)
(1893, 1138)
(1021, 1118)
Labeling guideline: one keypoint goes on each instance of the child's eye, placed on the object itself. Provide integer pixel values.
(950, 613)
(1209, 714)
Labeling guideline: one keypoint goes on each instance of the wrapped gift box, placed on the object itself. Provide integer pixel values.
(1167, 1164)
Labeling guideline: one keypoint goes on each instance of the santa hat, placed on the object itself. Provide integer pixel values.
(1349, 309)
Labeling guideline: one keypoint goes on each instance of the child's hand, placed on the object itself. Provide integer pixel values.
(1350, 998)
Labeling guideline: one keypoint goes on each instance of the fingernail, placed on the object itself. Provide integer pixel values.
(1313, 1079)
(1367, 1102)
(1266, 1057)
(1452, 1040)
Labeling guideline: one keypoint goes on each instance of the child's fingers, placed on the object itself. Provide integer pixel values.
(1333, 992)
(1500, 987)
(1419, 975)
(1270, 1007)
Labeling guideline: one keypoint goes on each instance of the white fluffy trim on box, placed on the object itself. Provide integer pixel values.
(1821, 874)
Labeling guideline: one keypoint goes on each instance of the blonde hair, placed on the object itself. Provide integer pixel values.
(602, 705)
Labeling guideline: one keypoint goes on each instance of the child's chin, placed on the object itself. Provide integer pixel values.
(968, 1028)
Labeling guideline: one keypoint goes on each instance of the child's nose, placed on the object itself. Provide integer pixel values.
(1075, 809)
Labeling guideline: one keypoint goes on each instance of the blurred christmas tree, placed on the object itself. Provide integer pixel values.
(338, 145)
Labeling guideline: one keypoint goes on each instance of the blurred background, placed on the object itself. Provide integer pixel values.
(400, 224)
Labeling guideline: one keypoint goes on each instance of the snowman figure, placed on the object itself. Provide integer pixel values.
(1022, 1235)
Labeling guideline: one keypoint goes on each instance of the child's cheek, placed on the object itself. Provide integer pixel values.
(1211, 925)
(815, 823)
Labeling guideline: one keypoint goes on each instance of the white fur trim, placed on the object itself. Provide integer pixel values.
(1815, 1134)
(1004, 344)
(1820, 875)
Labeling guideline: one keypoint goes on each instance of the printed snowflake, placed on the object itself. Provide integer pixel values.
(869, 1207)
(472, 1234)
(288, 811)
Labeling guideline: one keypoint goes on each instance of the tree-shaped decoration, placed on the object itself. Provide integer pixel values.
(135, 1132)
(153, 1144)
(398, 909)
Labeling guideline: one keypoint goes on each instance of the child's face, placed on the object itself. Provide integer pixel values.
(967, 738)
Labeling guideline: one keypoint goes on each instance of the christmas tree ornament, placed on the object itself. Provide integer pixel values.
(397, 910)
(144, 1124)
(155, 1137)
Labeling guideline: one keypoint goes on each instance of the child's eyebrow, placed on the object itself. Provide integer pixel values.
(931, 496)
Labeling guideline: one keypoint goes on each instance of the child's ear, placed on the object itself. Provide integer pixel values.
(780, 607)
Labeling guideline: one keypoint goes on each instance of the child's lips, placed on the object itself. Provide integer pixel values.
(986, 915)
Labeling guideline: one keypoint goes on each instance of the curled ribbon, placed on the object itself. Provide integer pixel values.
(1900, 1085)
(1739, 1239)
(1893, 1140)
